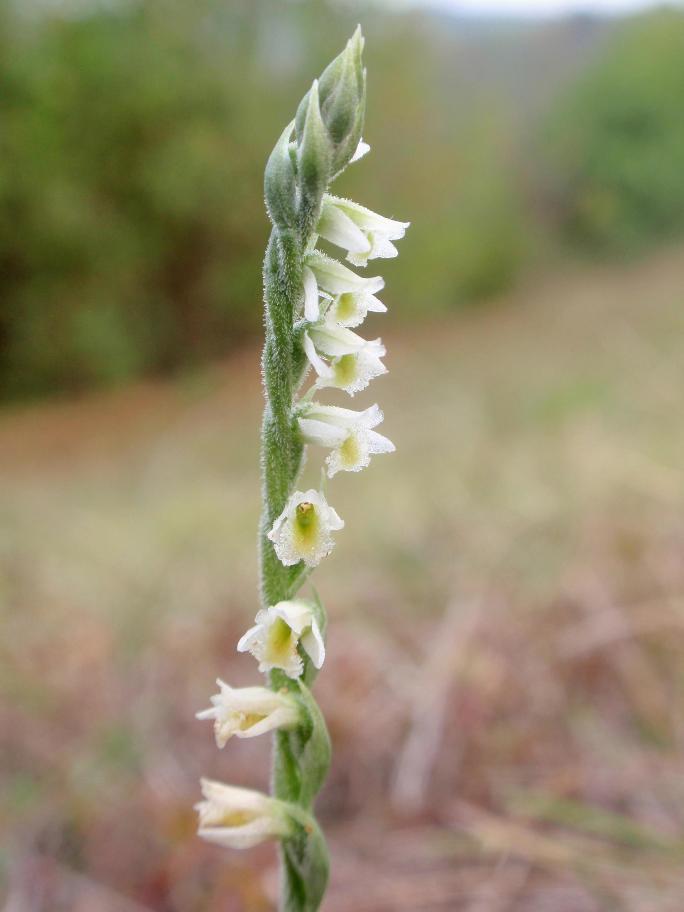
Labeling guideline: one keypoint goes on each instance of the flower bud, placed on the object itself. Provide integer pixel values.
(280, 185)
(314, 157)
(342, 95)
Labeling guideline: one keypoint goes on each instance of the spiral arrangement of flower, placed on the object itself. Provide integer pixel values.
(312, 305)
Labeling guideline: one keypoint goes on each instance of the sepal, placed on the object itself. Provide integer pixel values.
(314, 160)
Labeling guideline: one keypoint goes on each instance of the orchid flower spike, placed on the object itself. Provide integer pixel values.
(353, 295)
(248, 712)
(303, 529)
(312, 305)
(279, 631)
(239, 818)
(348, 433)
(364, 234)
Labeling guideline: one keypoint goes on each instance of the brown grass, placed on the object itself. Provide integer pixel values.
(504, 685)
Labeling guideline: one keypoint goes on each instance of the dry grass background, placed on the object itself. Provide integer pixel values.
(504, 683)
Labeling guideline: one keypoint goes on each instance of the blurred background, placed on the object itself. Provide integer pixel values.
(504, 681)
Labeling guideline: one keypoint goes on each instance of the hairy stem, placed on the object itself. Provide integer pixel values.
(281, 457)
(281, 450)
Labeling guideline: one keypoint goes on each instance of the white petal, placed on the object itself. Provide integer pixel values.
(374, 304)
(280, 718)
(207, 713)
(379, 444)
(243, 837)
(335, 226)
(380, 247)
(362, 149)
(334, 521)
(336, 278)
(334, 341)
(344, 418)
(234, 798)
(320, 432)
(296, 614)
(318, 364)
(311, 305)
(312, 643)
(369, 220)
(247, 640)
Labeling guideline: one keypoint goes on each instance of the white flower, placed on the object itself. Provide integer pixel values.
(277, 633)
(364, 234)
(348, 433)
(354, 361)
(239, 818)
(351, 372)
(302, 531)
(248, 712)
(336, 278)
(348, 308)
(362, 149)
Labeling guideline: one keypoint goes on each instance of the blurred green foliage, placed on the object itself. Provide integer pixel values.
(133, 137)
(618, 140)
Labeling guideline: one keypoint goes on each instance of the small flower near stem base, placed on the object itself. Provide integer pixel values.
(279, 631)
(248, 712)
(348, 433)
(239, 818)
(364, 234)
(303, 530)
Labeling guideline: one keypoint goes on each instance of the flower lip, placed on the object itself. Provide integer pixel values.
(351, 308)
(353, 372)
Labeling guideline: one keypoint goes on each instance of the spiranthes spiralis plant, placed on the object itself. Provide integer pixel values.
(313, 304)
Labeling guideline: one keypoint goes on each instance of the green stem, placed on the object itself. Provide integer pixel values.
(304, 870)
(281, 450)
